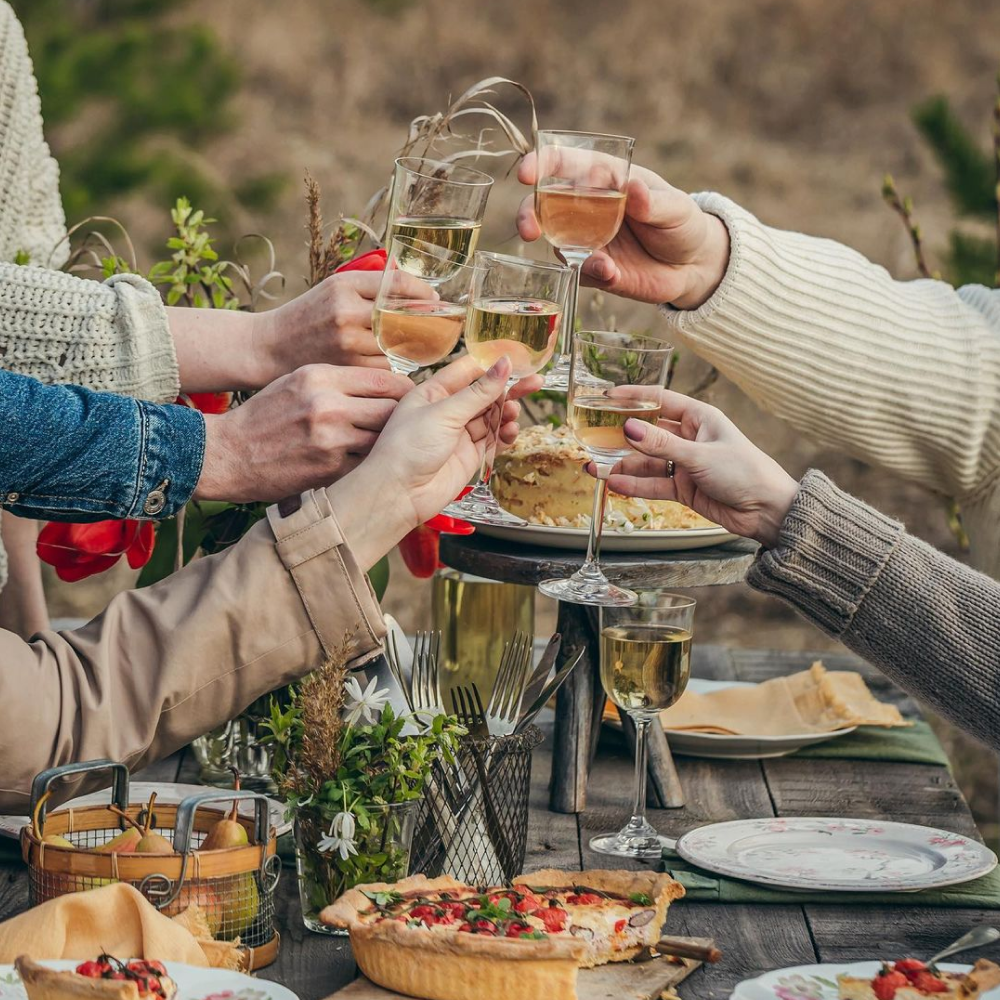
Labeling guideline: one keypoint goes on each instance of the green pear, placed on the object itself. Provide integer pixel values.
(228, 832)
(240, 906)
(55, 840)
(124, 843)
(148, 842)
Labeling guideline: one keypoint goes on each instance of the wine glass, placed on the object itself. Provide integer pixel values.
(515, 309)
(580, 204)
(421, 304)
(645, 666)
(437, 202)
(614, 376)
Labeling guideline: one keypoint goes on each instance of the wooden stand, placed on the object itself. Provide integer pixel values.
(580, 702)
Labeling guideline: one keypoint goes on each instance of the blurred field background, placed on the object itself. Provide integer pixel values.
(795, 108)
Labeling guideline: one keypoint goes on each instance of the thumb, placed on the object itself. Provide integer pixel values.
(662, 208)
(660, 443)
(469, 402)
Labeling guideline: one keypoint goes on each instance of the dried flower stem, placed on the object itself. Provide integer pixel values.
(903, 207)
(996, 164)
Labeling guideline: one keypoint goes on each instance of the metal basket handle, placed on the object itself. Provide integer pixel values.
(43, 782)
(184, 822)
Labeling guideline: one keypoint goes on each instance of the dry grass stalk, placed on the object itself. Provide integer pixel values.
(996, 164)
(321, 702)
(903, 207)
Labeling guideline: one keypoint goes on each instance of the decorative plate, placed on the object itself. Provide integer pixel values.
(166, 794)
(819, 982)
(838, 855)
(640, 540)
(192, 983)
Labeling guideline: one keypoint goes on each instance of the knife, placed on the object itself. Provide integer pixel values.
(549, 690)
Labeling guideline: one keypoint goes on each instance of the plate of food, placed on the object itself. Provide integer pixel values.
(541, 479)
(107, 978)
(837, 855)
(907, 979)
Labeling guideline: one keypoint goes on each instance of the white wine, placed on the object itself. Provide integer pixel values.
(579, 218)
(421, 332)
(459, 236)
(598, 421)
(524, 329)
(645, 667)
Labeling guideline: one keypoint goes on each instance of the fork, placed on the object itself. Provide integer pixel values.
(425, 693)
(396, 668)
(504, 707)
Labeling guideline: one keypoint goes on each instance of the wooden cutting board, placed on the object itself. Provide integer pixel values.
(618, 981)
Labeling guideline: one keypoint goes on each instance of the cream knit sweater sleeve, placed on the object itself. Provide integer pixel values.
(902, 374)
(53, 326)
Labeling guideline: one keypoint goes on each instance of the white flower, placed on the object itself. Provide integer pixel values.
(367, 704)
(340, 836)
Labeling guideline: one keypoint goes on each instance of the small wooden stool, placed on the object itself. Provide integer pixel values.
(580, 702)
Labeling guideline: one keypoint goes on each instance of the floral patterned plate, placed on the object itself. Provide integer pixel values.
(840, 855)
(192, 983)
(818, 982)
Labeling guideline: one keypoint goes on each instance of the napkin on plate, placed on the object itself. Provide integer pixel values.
(115, 920)
(816, 700)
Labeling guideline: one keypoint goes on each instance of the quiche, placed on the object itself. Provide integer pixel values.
(444, 940)
(911, 979)
(104, 979)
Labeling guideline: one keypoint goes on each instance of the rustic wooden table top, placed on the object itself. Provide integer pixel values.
(754, 938)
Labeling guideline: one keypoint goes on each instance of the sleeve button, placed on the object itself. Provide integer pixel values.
(12, 497)
(156, 500)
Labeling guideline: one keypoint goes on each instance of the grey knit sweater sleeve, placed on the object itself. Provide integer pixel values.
(929, 622)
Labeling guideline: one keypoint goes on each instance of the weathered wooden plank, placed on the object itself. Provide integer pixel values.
(553, 838)
(161, 770)
(712, 662)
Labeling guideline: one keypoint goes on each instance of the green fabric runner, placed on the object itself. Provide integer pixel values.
(914, 744)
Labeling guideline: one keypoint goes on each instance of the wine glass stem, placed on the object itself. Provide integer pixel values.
(591, 565)
(492, 437)
(575, 262)
(641, 720)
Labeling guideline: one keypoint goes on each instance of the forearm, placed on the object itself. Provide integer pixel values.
(22, 598)
(167, 663)
(929, 622)
(219, 350)
(905, 375)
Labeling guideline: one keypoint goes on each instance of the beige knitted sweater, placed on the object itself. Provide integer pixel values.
(901, 374)
(53, 326)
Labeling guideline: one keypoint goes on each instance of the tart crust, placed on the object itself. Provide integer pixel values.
(41, 983)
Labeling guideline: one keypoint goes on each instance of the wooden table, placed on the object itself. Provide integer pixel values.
(754, 938)
(580, 702)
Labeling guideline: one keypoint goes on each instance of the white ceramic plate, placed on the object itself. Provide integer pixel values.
(724, 746)
(819, 982)
(640, 540)
(192, 983)
(838, 855)
(139, 791)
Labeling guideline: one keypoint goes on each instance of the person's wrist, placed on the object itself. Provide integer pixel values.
(780, 496)
(218, 479)
(267, 348)
(706, 273)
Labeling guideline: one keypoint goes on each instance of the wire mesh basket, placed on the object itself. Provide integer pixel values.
(72, 850)
(473, 822)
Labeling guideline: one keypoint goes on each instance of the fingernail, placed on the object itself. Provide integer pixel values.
(635, 429)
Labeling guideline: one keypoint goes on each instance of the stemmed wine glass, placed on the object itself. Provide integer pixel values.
(515, 308)
(580, 204)
(614, 376)
(437, 202)
(421, 303)
(645, 666)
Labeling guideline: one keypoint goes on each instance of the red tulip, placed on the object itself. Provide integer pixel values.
(81, 550)
(374, 260)
(207, 402)
(421, 547)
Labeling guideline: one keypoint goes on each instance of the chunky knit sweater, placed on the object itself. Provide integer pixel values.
(53, 326)
(929, 622)
(903, 375)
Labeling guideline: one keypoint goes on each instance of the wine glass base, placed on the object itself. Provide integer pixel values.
(483, 512)
(622, 845)
(557, 377)
(575, 591)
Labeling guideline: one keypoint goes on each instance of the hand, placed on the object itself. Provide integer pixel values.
(303, 431)
(330, 324)
(717, 471)
(667, 250)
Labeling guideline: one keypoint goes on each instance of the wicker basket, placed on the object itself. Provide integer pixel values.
(234, 886)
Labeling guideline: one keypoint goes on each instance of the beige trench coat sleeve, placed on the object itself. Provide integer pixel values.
(165, 664)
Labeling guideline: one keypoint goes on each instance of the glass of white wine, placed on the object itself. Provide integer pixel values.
(437, 202)
(614, 376)
(515, 308)
(645, 666)
(421, 304)
(580, 191)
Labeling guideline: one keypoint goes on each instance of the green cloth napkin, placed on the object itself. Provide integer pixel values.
(914, 744)
(705, 887)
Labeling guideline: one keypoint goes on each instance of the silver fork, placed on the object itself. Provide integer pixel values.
(425, 692)
(504, 707)
(395, 667)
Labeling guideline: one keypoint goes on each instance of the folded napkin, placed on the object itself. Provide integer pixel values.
(117, 920)
(814, 701)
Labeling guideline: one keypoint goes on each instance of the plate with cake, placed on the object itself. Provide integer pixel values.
(541, 479)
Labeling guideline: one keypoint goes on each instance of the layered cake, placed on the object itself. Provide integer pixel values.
(541, 479)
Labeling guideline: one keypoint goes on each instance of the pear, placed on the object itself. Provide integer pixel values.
(228, 832)
(55, 840)
(148, 842)
(124, 843)
(240, 906)
(205, 898)
(52, 839)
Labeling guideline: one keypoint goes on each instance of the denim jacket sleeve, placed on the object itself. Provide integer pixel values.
(71, 454)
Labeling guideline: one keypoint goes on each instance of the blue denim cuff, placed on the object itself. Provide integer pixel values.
(171, 453)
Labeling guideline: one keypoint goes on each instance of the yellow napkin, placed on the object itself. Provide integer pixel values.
(814, 701)
(115, 919)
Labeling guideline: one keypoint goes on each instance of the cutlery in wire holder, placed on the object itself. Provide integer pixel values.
(480, 839)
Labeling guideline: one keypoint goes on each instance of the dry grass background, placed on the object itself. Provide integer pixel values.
(793, 107)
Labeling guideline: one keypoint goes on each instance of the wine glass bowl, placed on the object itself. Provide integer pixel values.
(421, 305)
(645, 667)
